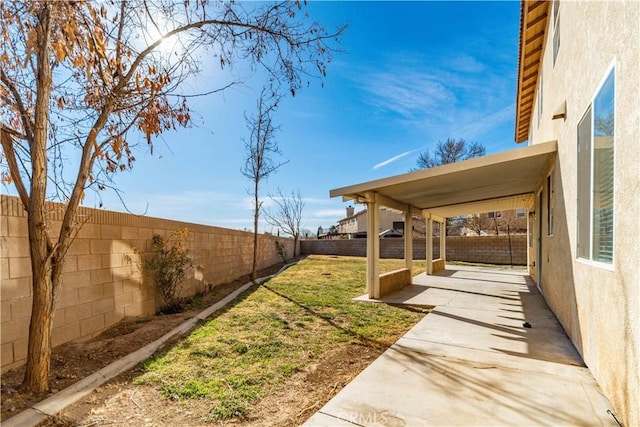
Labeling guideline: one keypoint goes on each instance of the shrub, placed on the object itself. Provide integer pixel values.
(282, 251)
(168, 263)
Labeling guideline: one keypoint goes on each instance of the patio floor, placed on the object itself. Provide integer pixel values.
(471, 361)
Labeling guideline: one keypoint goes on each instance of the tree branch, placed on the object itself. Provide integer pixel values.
(7, 146)
(26, 122)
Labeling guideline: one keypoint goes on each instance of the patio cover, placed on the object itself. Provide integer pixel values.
(502, 181)
(497, 182)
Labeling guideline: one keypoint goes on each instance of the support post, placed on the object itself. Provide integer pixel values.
(529, 240)
(429, 248)
(408, 239)
(373, 248)
(443, 240)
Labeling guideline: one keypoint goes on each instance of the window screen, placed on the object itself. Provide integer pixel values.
(584, 185)
(603, 124)
(595, 177)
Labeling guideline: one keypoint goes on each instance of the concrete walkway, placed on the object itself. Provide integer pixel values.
(471, 361)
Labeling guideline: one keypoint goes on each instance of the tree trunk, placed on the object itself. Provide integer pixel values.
(36, 377)
(295, 244)
(256, 213)
(45, 275)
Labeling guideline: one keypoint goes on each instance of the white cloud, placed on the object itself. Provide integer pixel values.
(483, 124)
(220, 209)
(466, 63)
(393, 159)
(452, 96)
(316, 200)
(407, 92)
(470, 130)
(329, 213)
(434, 95)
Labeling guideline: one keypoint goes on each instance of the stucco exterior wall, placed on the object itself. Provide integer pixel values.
(102, 279)
(387, 219)
(597, 306)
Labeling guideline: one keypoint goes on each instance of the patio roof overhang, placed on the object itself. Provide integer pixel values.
(501, 181)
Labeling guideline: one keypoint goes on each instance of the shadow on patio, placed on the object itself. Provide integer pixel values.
(471, 361)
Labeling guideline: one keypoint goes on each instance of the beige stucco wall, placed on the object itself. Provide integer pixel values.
(102, 279)
(597, 306)
(387, 218)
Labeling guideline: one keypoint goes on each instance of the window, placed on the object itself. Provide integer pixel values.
(595, 175)
(549, 206)
(556, 30)
(521, 213)
(539, 101)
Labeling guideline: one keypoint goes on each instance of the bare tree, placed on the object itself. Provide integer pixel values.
(261, 147)
(81, 80)
(287, 214)
(307, 233)
(454, 225)
(450, 151)
(447, 152)
(506, 222)
(477, 223)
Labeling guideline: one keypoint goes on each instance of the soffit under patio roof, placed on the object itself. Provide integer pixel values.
(533, 27)
(502, 181)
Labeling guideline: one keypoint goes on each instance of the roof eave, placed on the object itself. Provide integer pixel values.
(533, 29)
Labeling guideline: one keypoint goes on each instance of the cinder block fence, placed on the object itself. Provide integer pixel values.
(480, 249)
(102, 279)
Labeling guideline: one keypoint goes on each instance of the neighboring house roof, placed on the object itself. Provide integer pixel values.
(499, 181)
(355, 215)
(391, 233)
(533, 25)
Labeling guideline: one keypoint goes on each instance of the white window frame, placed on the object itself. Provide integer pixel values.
(589, 261)
(539, 101)
(555, 5)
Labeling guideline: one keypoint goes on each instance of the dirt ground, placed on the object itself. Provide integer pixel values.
(119, 402)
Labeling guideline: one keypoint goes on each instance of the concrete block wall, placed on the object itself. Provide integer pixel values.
(479, 249)
(394, 280)
(488, 249)
(103, 281)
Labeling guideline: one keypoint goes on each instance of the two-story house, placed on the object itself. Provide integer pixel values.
(578, 177)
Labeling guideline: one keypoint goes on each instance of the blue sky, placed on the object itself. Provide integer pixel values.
(412, 74)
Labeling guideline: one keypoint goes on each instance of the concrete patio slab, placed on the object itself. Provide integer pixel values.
(471, 361)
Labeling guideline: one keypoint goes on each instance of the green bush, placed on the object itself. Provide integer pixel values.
(168, 263)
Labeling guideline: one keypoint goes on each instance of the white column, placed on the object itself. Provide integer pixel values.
(429, 248)
(443, 240)
(529, 241)
(373, 249)
(408, 238)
